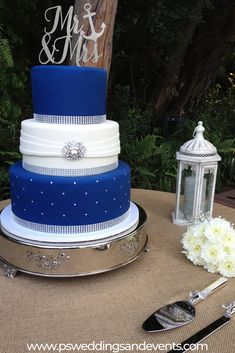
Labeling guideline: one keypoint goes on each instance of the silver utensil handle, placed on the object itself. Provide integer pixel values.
(215, 286)
(200, 335)
(230, 309)
(196, 297)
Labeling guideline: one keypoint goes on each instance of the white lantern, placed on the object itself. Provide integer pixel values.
(196, 178)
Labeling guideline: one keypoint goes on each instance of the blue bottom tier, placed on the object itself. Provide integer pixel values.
(42, 202)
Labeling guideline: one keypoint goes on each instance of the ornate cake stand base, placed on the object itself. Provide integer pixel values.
(72, 259)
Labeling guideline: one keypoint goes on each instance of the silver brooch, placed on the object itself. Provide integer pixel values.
(74, 150)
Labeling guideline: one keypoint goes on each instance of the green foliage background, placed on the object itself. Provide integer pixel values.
(145, 37)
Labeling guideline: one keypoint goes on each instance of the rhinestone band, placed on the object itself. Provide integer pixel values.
(69, 172)
(70, 119)
(86, 228)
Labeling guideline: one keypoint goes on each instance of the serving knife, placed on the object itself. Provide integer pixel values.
(206, 331)
(180, 313)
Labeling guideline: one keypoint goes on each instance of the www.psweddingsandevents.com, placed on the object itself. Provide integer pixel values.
(103, 346)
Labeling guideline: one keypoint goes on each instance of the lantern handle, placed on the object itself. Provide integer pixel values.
(198, 131)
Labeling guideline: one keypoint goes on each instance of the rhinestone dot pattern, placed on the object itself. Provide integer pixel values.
(70, 202)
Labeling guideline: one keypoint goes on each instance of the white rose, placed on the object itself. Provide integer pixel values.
(195, 258)
(191, 241)
(215, 229)
(227, 267)
(194, 252)
(188, 240)
(199, 230)
(212, 253)
(229, 250)
(210, 268)
(229, 238)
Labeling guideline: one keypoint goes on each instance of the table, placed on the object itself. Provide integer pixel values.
(111, 306)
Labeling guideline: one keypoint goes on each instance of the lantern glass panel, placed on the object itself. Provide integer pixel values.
(208, 180)
(188, 183)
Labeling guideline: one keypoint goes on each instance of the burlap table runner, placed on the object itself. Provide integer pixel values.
(111, 307)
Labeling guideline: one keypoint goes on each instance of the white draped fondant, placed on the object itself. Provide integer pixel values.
(42, 145)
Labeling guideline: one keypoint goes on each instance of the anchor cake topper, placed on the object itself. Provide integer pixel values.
(50, 52)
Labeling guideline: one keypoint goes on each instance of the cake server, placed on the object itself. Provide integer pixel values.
(206, 331)
(179, 313)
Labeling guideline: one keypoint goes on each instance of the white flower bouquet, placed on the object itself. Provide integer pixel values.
(211, 244)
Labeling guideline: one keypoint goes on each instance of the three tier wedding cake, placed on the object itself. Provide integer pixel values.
(70, 185)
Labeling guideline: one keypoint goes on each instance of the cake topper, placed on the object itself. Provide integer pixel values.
(56, 50)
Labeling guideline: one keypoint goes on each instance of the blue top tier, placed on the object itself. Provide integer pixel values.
(68, 91)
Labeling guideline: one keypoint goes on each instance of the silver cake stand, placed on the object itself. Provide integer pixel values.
(72, 259)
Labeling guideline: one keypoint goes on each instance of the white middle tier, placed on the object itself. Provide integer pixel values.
(42, 146)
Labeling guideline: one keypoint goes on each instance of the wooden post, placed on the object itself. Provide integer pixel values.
(105, 13)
